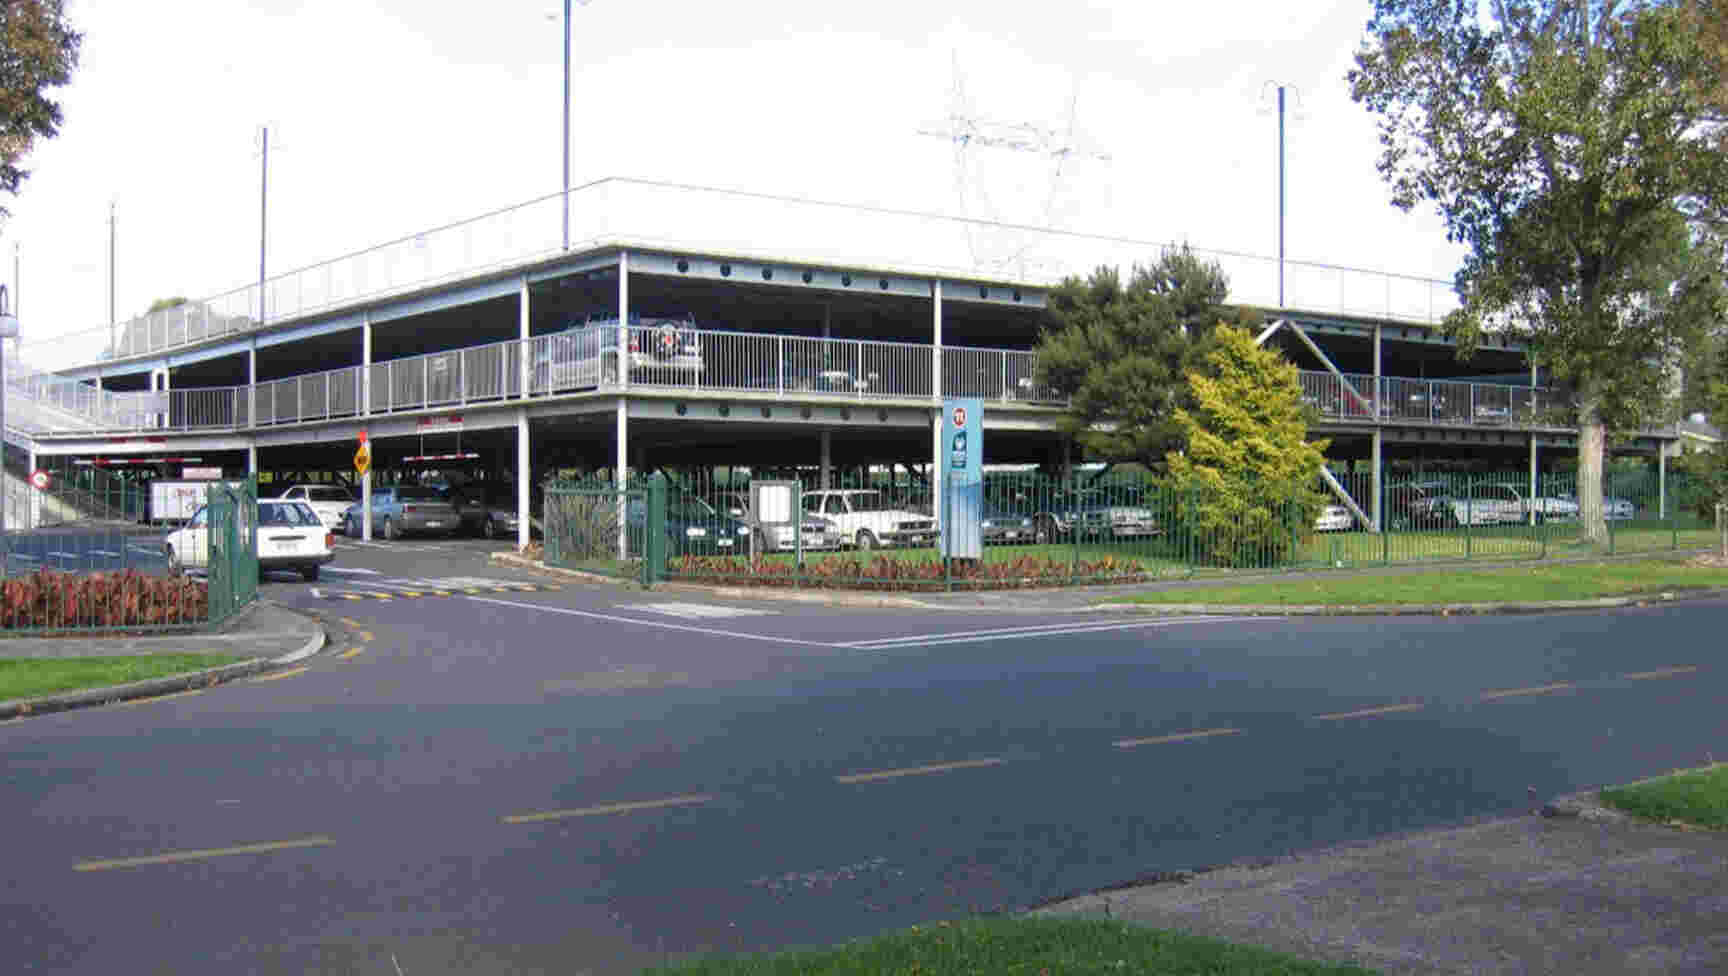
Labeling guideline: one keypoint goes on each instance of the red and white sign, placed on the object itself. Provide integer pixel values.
(40, 481)
(429, 425)
(960, 417)
(201, 474)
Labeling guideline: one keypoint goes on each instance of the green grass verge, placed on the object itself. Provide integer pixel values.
(1020, 947)
(31, 677)
(1576, 581)
(1697, 797)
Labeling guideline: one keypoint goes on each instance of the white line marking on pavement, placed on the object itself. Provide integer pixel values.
(1017, 633)
(65, 555)
(801, 642)
(25, 557)
(349, 571)
(694, 611)
(103, 552)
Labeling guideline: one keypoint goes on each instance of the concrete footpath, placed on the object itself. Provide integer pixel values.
(1554, 893)
(262, 636)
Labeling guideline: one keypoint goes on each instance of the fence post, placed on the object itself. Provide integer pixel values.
(654, 546)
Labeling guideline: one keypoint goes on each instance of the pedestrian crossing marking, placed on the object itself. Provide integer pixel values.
(695, 611)
(410, 594)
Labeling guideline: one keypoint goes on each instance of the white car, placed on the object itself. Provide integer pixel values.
(867, 519)
(1505, 504)
(329, 501)
(290, 536)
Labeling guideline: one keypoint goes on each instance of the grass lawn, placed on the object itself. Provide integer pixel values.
(1578, 581)
(1020, 947)
(1697, 797)
(30, 677)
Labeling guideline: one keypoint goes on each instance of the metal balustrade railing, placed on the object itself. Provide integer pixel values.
(673, 354)
(641, 213)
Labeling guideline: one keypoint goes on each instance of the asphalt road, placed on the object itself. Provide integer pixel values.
(587, 779)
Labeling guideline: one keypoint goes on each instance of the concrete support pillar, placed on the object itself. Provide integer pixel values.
(524, 477)
(1378, 463)
(936, 393)
(252, 385)
(827, 458)
(524, 353)
(621, 467)
(252, 459)
(33, 498)
(1379, 409)
(365, 364)
(623, 333)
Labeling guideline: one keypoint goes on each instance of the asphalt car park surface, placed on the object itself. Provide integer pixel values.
(535, 779)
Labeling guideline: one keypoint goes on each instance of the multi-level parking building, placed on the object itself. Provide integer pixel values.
(688, 327)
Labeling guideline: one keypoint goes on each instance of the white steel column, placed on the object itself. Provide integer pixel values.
(936, 393)
(252, 385)
(621, 466)
(827, 458)
(32, 497)
(623, 334)
(1374, 505)
(522, 323)
(252, 459)
(524, 478)
(365, 364)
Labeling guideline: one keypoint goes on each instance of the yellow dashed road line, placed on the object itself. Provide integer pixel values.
(1178, 737)
(882, 774)
(1660, 673)
(198, 855)
(278, 676)
(349, 654)
(350, 621)
(1364, 712)
(1538, 690)
(603, 809)
(470, 590)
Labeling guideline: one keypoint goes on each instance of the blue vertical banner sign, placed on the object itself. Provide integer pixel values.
(961, 508)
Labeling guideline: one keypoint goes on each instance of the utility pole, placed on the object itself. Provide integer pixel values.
(263, 212)
(1282, 90)
(566, 125)
(113, 323)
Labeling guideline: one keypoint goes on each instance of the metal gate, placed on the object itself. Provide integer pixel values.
(233, 546)
(603, 527)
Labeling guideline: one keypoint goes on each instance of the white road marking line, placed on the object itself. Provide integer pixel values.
(929, 640)
(694, 611)
(27, 558)
(352, 571)
(65, 555)
(800, 642)
(103, 552)
(1057, 626)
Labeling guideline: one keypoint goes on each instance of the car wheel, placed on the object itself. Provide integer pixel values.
(759, 543)
(174, 566)
(1043, 531)
(488, 528)
(866, 540)
(389, 529)
(309, 574)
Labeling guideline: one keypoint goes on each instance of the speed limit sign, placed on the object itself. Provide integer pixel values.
(39, 480)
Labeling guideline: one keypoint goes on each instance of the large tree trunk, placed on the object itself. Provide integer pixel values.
(1592, 438)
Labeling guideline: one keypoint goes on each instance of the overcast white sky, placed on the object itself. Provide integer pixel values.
(392, 116)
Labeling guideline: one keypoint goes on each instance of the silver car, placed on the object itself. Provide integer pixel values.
(401, 509)
(819, 533)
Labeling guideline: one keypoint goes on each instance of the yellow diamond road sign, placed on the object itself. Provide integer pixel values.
(363, 459)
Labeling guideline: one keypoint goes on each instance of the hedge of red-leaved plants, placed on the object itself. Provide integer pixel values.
(926, 575)
(47, 600)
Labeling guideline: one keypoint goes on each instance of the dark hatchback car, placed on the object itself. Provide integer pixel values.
(695, 528)
(1419, 505)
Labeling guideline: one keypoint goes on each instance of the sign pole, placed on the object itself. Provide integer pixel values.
(363, 463)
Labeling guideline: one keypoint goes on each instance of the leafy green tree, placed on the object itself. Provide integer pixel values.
(1572, 146)
(1248, 478)
(162, 304)
(1120, 352)
(38, 50)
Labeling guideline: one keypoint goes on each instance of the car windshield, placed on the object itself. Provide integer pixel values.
(417, 494)
(690, 506)
(286, 513)
(324, 493)
(871, 501)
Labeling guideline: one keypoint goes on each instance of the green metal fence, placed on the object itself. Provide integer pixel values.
(877, 528)
(602, 527)
(79, 556)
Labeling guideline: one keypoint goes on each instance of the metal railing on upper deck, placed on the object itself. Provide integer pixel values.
(650, 214)
(675, 355)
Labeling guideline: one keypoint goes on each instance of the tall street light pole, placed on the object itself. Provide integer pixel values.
(566, 125)
(263, 212)
(1282, 90)
(8, 330)
(113, 323)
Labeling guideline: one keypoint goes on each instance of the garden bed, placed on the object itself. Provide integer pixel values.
(48, 601)
(925, 575)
